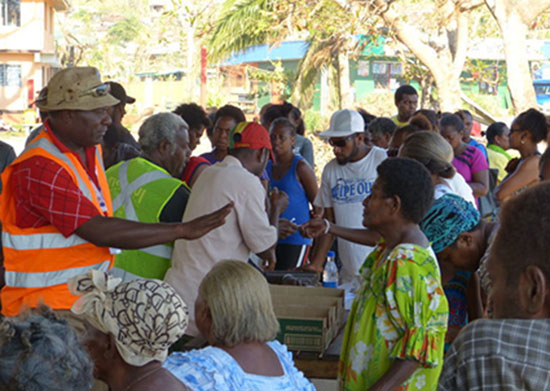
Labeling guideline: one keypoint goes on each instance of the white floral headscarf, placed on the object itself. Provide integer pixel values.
(145, 316)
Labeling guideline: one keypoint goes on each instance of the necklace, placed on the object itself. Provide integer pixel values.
(145, 375)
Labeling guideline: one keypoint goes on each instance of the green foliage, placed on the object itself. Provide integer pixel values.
(244, 23)
(216, 97)
(322, 51)
(481, 71)
(315, 122)
(125, 30)
(379, 103)
(277, 74)
(490, 103)
(266, 78)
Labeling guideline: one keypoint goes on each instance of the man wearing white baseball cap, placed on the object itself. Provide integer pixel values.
(346, 181)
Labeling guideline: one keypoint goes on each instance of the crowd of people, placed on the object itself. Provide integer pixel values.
(117, 253)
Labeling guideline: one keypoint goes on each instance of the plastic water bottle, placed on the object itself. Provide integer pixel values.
(330, 274)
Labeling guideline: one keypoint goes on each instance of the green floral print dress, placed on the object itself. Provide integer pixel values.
(400, 312)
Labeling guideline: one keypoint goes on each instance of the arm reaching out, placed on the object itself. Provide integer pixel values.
(125, 234)
(316, 227)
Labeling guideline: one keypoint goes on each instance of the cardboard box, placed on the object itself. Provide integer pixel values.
(298, 294)
(296, 277)
(309, 318)
(304, 329)
(281, 301)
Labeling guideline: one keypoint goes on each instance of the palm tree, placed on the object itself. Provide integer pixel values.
(245, 23)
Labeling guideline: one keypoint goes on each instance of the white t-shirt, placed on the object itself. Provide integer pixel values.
(343, 188)
(246, 230)
(456, 185)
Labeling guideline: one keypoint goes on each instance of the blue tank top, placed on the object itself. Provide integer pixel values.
(298, 204)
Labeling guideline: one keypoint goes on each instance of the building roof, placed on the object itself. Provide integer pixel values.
(288, 50)
(481, 49)
(493, 49)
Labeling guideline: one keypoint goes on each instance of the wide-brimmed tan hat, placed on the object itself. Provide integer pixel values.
(78, 88)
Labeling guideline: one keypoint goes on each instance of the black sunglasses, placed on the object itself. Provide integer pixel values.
(340, 142)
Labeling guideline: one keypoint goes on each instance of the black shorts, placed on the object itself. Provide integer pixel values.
(291, 256)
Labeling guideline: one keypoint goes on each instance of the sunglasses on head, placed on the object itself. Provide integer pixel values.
(340, 142)
(98, 91)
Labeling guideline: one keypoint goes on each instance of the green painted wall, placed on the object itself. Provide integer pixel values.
(366, 83)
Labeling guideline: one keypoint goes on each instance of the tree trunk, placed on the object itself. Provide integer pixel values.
(445, 65)
(192, 67)
(520, 82)
(345, 100)
(325, 90)
(448, 87)
(514, 32)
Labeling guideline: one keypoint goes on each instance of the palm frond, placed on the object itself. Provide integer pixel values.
(242, 24)
(322, 51)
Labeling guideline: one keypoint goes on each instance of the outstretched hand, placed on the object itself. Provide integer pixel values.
(310, 267)
(286, 228)
(279, 200)
(200, 226)
(268, 265)
(313, 228)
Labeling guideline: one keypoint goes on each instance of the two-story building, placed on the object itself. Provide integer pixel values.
(27, 49)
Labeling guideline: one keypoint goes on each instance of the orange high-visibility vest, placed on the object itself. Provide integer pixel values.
(39, 261)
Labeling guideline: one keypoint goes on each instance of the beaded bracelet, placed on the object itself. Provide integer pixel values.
(327, 228)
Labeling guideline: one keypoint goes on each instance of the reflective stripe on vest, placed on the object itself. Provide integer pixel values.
(39, 261)
(45, 279)
(40, 241)
(141, 189)
(46, 145)
(125, 196)
(160, 250)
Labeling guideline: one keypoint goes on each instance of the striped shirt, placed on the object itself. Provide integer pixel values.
(469, 162)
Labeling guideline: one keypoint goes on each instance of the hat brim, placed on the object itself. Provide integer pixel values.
(130, 99)
(84, 103)
(336, 133)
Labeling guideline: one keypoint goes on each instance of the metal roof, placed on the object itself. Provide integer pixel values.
(288, 50)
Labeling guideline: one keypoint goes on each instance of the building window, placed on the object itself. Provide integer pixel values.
(384, 72)
(10, 12)
(10, 75)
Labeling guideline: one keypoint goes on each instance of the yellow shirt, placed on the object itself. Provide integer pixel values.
(397, 122)
(499, 161)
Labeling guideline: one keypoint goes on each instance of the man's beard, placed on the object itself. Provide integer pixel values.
(350, 157)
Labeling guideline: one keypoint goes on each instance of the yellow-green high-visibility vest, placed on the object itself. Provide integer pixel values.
(140, 189)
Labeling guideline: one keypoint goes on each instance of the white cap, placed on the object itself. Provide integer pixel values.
(344, 123)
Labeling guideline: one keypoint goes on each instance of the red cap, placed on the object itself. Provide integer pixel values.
(250, 135)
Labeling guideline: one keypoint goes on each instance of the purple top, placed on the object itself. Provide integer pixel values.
(210, 156)
(469, 162)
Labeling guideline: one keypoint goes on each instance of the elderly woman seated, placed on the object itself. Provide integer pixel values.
(130, 327)
(233, 311)
(39, 352)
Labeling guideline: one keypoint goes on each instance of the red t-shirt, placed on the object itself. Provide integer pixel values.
(46, 193)
(189, 170)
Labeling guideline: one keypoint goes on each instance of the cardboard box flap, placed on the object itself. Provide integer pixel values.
(299, 291)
